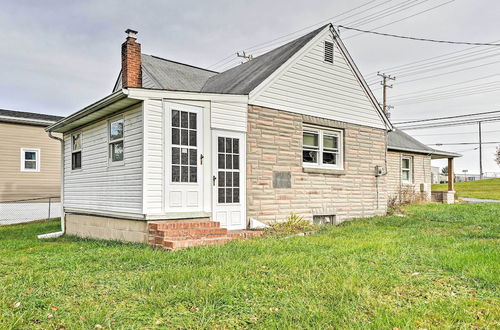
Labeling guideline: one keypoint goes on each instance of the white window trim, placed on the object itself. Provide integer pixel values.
(410, 169)
(77, 150)
(122, 139)
(38, 159)
(321, 132)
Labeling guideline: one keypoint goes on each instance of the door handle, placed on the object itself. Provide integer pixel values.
(214, 179)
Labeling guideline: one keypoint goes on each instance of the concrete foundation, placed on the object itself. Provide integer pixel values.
(107, 228)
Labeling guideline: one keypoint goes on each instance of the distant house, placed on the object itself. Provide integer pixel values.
(294, 130)
(30, 167)
(30, 161)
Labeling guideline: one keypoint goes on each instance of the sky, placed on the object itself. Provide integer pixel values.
(59, 56)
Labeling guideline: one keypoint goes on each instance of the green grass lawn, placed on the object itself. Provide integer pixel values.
(436, 268)
(487, 189)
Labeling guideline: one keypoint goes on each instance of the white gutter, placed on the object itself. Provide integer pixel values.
(63, 225)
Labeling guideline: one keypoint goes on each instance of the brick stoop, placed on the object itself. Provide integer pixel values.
(174, 235)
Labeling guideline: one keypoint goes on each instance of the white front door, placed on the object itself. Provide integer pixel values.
(184, 160)
(229, 179)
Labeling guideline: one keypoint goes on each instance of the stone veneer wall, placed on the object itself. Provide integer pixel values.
(274, 144)
(421, 173)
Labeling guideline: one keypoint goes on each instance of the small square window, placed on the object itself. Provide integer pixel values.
(30, 160)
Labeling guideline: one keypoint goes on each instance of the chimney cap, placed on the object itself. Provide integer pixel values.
(131, 33)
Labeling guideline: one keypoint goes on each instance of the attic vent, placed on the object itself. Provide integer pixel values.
(328, 52)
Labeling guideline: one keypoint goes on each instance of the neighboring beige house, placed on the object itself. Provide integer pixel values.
(30, 163)
(294, 130)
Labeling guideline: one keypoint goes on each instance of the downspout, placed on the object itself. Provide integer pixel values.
(63, 226)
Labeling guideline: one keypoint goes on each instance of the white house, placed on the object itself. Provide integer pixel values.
(294, 130)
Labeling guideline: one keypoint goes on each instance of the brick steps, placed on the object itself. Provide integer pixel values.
(185, 243)
(174, 235)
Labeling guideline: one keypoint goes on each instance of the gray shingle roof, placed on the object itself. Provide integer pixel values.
(400, 141)
(29, 115)
(243, 78)
(159, 73)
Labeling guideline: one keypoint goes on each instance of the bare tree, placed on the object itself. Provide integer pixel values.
(497, 155)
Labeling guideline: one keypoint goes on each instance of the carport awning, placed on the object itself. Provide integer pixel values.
(102, 108)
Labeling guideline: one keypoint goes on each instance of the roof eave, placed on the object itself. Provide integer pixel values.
(435, 154)
(108, 100)
(26, 121)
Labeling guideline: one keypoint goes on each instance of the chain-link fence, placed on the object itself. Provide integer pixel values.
(27, 210)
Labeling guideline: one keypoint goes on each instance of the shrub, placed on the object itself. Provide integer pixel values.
(405, 196)
(294, 224)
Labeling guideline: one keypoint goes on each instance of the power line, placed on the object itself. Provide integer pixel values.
(446, 73)
(457, 123)
(402, 19)
(450, 117)
(448, 85)
(456, 133)
(233, 58)
(461, 143)
(416, 63)
(399, 20)
(386, 12)
(449, 95)
(268, 43)
(321, 22)
(442, 64)
(419, 39)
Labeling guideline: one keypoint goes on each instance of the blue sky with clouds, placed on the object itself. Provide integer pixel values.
(59, 56)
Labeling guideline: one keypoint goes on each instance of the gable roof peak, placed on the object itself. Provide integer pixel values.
(242, 79)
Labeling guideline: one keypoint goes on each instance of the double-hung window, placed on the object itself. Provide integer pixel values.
(116, 140)
(76, 151)
(30, 160)
(322, 148)
(406, 169)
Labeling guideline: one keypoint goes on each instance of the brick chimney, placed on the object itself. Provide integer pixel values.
(131, 61)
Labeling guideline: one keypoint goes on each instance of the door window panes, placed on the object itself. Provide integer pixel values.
(184, 146)
(228, 181)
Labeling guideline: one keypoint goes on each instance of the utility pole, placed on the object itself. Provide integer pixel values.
(245, 56)
(385, 79)
(480, 153)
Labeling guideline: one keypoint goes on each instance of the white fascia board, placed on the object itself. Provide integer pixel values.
(145, 93)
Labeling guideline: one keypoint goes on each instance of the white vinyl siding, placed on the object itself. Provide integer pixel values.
(311, 86)
(154, 157)
(97, 186)
(229, 115)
